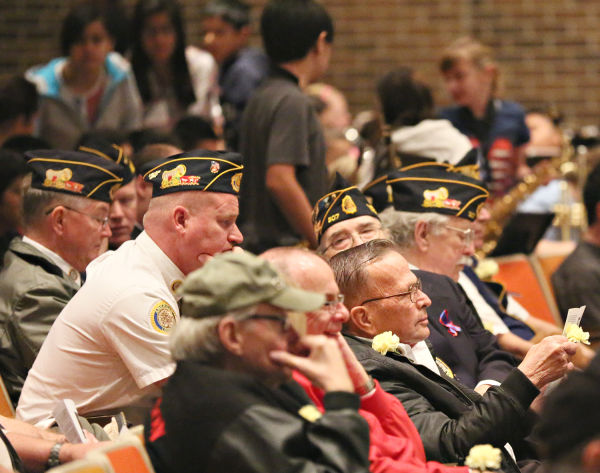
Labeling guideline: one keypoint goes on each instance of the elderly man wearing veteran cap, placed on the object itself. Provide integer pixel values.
(344, 219)
(123, 209)
(65, 211)
(108, 348)
(388, 318)
(432, 221)
(226, 407)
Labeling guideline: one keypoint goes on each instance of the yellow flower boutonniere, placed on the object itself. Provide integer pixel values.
(575, 333)
(385, 342)
(486, 269)
(484, 457)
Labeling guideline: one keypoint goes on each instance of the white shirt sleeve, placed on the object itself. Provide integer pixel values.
(137, 328)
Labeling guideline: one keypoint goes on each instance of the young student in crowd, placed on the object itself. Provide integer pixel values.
(18, 105)
(282, 139)
(497, 126)
(242, 68)
(14, 170)
(90, 87)
(173, 78)
(197, 133)
(415, 133)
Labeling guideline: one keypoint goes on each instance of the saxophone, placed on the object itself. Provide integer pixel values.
(504, 207)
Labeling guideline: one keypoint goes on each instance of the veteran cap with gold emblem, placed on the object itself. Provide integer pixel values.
(75, 172)
(107, 150)
(237, 280)
(378, 193)
(343, 202)
(198, 170)
(437, 188)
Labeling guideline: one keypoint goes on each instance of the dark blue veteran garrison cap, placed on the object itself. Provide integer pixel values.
(75, 173)
(114, 152)
(437, 188)
(343, 202)
(378, 193)
(198, 170)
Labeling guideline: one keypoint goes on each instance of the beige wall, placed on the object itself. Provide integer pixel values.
(548, 50)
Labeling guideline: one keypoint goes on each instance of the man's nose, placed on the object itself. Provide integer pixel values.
(341, 313)
(423, 300)
(236, 236)
(116, 210)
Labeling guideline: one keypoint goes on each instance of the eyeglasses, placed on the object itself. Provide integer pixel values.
(282, 320)
(413, 291)
(103, 221)
(343, 241)
(333, 302)
(467, 236)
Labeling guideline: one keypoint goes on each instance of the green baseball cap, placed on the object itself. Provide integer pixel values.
(235, 280)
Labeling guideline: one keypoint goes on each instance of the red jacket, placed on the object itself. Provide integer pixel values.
(396, 446)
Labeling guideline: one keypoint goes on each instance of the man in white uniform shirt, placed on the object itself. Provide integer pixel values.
(108, 349)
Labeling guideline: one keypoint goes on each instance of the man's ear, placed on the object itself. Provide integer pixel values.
(320, 43)
(422, 233)
(230, 336)
(181, 218)
(57, 220)
(361, 323)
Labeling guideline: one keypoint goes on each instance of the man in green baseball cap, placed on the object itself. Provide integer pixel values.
(231, 404)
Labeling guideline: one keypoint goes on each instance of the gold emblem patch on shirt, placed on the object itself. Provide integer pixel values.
(310, 413)
(444, 367)
(162, 317)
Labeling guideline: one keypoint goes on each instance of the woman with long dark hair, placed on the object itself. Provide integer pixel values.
(173, 79)
(90, 87)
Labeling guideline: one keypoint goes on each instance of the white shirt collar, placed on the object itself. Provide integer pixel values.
(68, 270)
(171, 273)
(419, 353)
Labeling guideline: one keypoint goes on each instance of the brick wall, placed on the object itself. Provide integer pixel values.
(548, 50)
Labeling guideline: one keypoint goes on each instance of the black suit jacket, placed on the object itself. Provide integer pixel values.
(473, 355)
(450, 417)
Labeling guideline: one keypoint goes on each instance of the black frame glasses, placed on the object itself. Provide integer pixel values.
(413, 291)
(102, 221)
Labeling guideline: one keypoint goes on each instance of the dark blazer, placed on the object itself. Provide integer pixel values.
(473, 354)
(450, 417)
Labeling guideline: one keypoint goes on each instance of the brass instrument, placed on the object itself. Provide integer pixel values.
(504, 207)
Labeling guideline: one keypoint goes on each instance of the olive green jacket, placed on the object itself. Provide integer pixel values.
(33, 291)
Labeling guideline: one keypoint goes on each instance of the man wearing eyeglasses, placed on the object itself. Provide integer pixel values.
(383, 294)
(344, 219)
(65, 210)
(108, 349)
(231, 404)
(395, 443)
(432, 218)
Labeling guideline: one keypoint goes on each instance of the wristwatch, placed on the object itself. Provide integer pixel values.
(54, 453)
